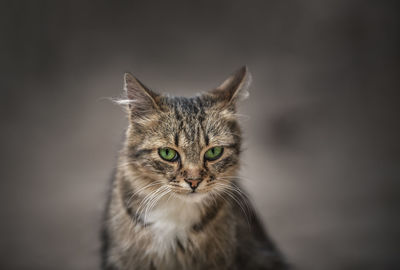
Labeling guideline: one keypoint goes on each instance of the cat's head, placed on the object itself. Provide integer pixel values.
(189, 146)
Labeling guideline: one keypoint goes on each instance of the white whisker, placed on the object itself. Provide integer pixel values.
(139, 190)
(239, 197)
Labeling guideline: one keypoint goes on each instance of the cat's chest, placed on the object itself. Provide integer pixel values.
(170, 225)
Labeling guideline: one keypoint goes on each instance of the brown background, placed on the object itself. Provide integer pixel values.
(322, 132)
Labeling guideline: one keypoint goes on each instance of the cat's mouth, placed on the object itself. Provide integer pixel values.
(195, 196)
(191, 194)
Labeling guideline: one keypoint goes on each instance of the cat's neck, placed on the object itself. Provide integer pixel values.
(170, 222)
(175, 211)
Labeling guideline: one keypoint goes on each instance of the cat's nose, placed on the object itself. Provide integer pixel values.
(193, 182)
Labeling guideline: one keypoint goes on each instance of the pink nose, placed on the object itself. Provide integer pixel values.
(193, 183)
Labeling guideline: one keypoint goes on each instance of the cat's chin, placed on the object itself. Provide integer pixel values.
(192, 196)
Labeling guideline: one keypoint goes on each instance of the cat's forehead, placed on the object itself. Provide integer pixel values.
(187, 106)
(189, 120)
(189, 113)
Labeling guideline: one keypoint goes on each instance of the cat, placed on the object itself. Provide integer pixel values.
(176, 201)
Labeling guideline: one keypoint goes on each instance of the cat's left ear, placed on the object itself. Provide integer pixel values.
(234, 88)
(141, 100)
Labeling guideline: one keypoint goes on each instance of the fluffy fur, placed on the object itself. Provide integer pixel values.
(154, 219)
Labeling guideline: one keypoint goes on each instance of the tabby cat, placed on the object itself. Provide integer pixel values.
(175, 200)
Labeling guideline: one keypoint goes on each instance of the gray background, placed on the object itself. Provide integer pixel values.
(321, 126)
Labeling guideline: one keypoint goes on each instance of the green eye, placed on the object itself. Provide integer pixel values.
(214, 153)
(168, 154)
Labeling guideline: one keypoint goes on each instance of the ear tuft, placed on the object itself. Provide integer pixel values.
(139, 97)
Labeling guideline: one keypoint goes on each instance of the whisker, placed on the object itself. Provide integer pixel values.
(139, 190)
(154, 202)
(145, 200)
(233, 188)
(241, 200)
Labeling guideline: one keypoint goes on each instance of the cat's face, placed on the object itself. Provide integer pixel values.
(190, 146)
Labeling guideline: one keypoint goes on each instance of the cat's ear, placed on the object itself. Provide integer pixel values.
(140, 98)
(234, 88)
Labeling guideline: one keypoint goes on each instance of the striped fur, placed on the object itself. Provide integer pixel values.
(153, 219)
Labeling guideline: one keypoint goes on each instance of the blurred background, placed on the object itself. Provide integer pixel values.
(321, 126)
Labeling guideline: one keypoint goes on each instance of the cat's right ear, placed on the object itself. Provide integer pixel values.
(140, 99)
(233, 89)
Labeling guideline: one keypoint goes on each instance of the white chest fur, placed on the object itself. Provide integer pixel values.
(171, 221)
